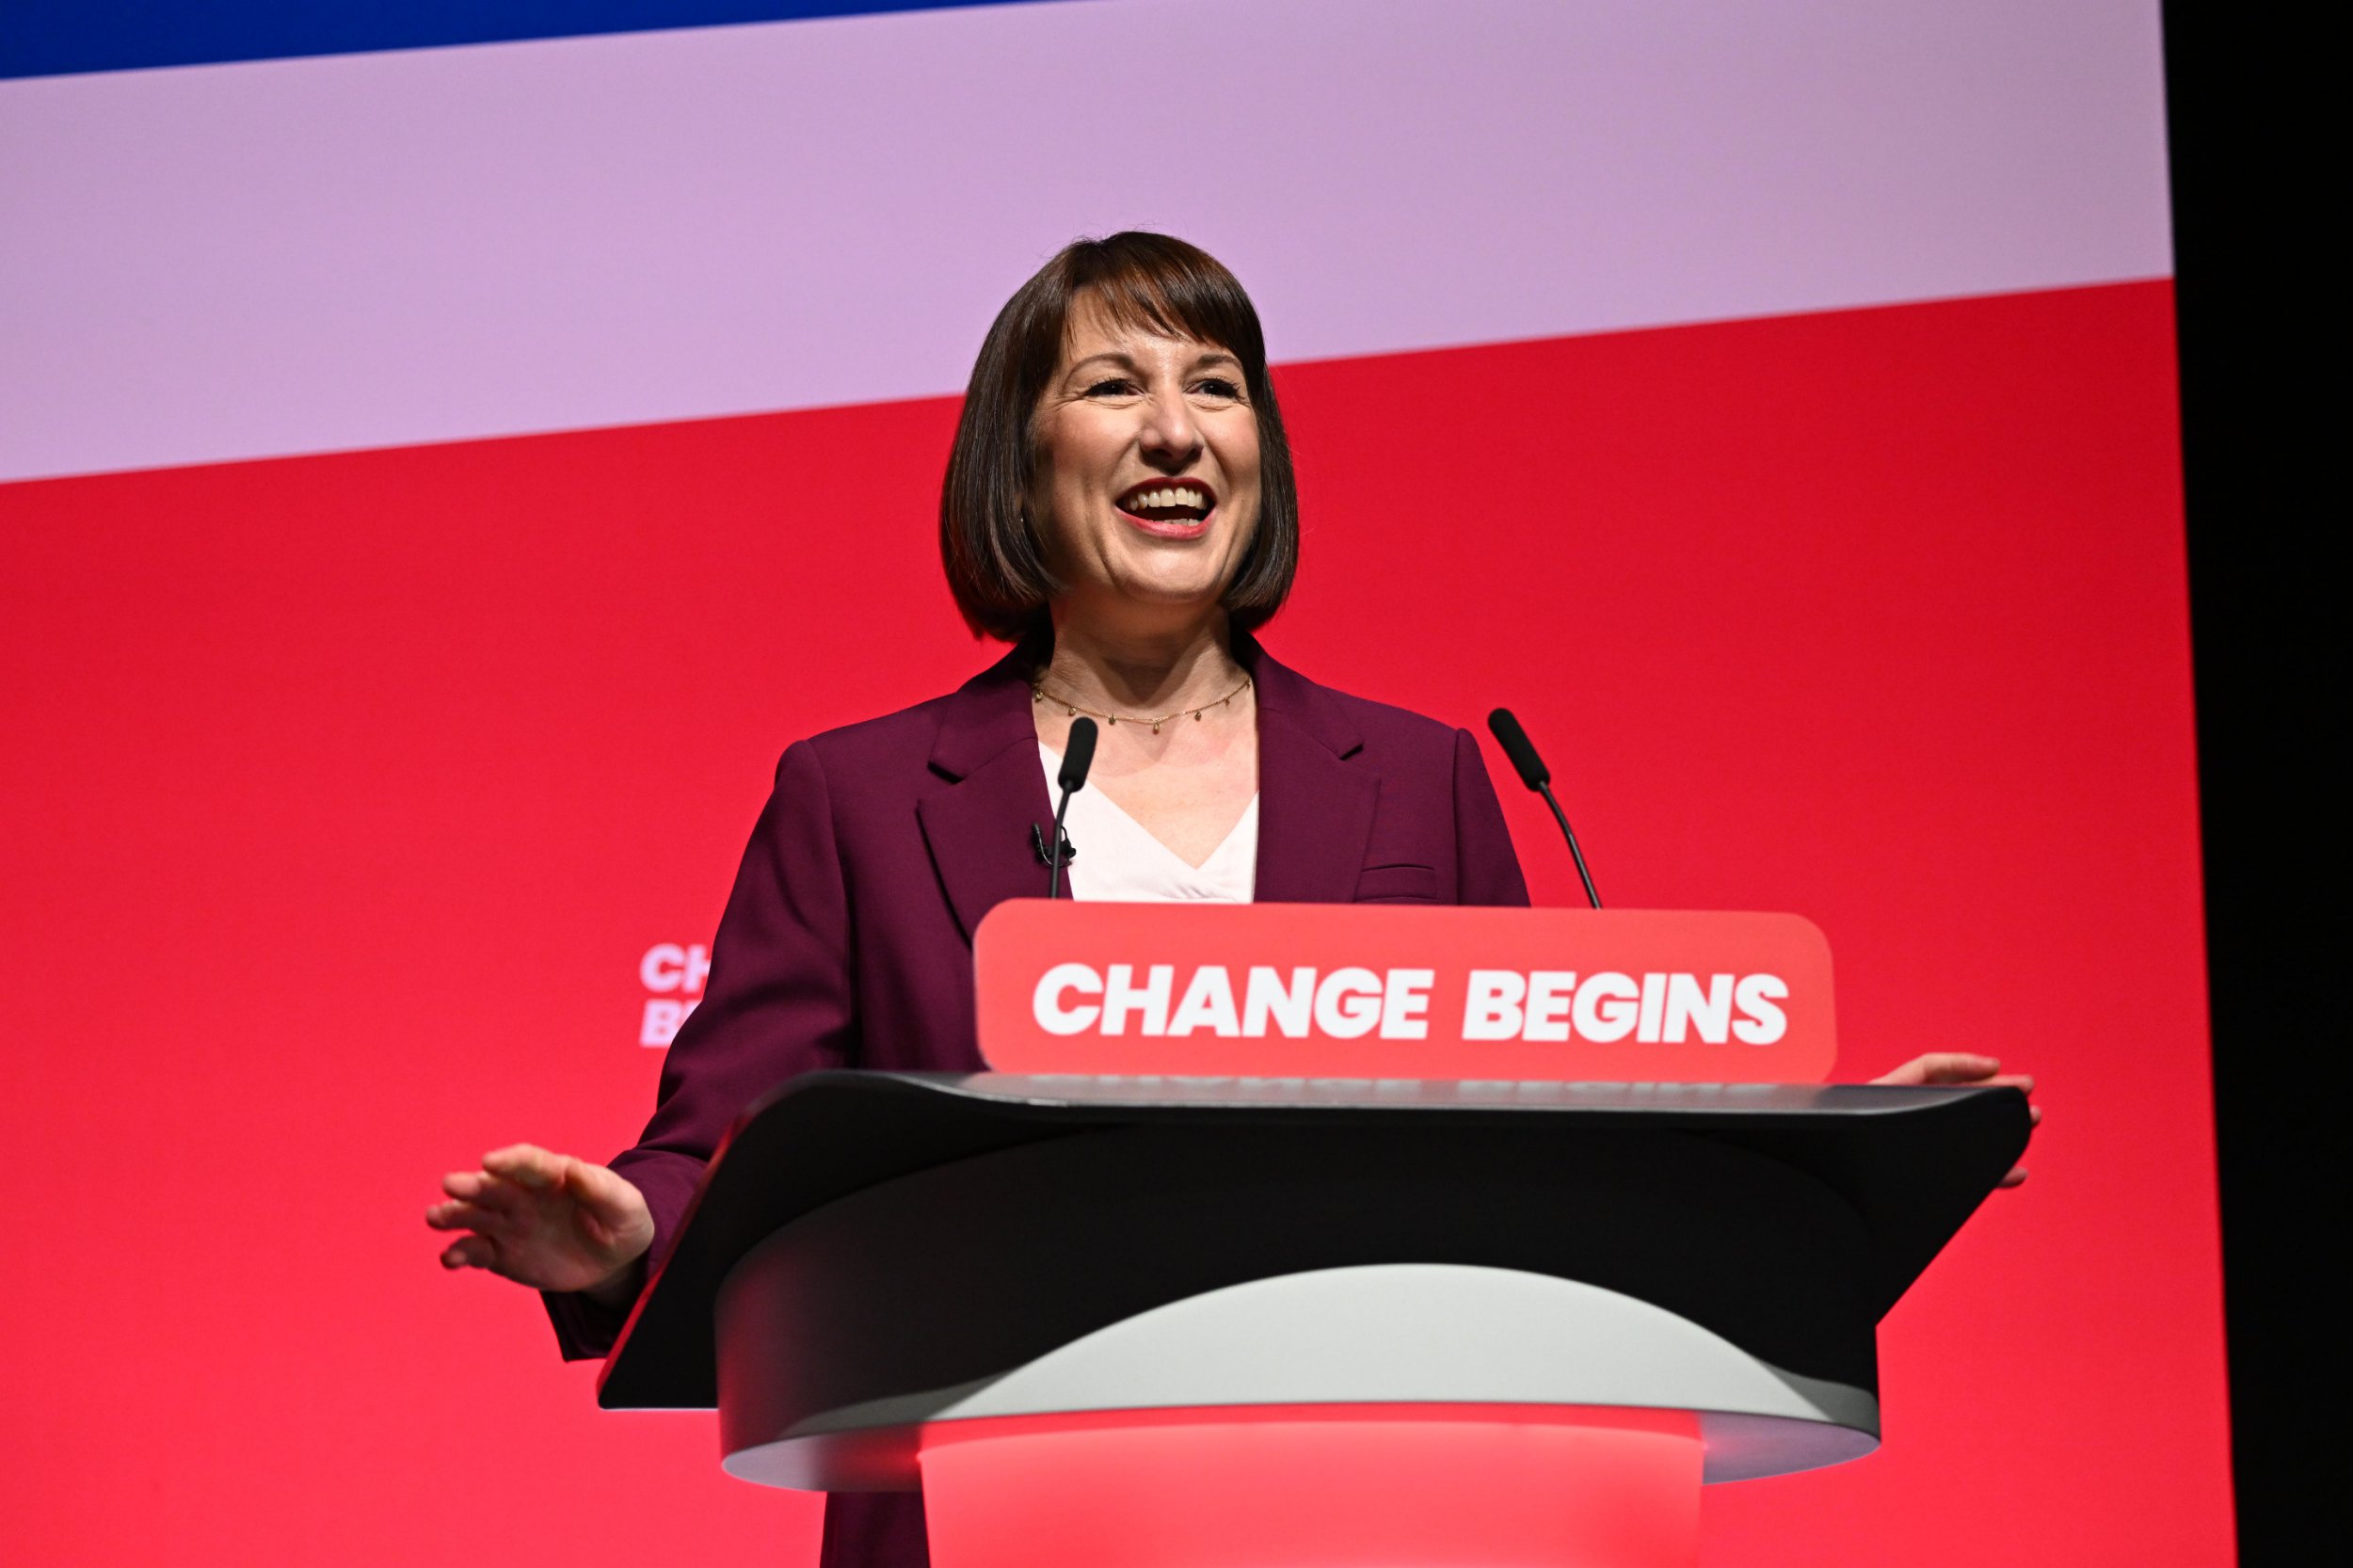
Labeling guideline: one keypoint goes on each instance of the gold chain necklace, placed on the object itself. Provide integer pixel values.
(1039, 694)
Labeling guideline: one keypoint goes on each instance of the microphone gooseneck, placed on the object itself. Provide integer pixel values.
(1078, 756)
(1532, 772)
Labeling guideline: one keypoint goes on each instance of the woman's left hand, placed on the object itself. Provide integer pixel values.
(1960, 1066)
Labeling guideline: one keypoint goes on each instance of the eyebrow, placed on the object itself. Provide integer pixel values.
(1120, 357)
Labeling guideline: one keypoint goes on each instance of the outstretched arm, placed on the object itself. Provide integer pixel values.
(780, 1002)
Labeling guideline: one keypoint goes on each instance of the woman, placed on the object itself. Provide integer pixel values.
(1119, 505)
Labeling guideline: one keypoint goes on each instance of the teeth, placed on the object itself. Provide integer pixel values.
(1171, 496)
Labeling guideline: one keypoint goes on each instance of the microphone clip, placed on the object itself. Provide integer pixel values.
(1037, 840)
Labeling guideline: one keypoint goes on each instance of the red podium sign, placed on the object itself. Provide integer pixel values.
(1391, 991)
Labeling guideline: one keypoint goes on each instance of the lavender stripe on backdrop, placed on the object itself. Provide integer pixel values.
(228, 261)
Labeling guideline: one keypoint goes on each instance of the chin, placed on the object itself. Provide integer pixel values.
(1181, 581)
(1164, 600)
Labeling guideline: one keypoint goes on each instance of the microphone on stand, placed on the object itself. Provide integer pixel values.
(1538, 777)
(1078, 756)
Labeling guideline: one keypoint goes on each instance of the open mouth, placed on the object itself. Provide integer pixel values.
(1171, 507)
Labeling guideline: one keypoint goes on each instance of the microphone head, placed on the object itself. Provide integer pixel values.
(1514, 740)
(1077, 754)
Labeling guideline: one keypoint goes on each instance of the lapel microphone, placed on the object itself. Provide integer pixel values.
(1078, 756)
(1533, 774)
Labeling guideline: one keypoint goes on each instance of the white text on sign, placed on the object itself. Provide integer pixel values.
(1350, 1002)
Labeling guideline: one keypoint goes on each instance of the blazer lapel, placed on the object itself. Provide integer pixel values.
(1314, 807)
(978, 828)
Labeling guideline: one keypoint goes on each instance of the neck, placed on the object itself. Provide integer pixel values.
(1148, 668)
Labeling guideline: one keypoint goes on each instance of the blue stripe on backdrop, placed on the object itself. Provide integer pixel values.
(52, 38)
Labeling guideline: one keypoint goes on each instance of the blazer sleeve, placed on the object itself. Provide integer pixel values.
(778, 1002)
(1487, 870)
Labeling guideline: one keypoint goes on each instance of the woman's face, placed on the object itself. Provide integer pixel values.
(1147, 472)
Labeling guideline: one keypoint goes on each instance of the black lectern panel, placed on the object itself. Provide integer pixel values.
(1906, 1165)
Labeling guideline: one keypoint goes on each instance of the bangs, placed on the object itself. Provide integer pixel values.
(1169, 289)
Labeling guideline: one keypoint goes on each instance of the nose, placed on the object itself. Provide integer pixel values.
(1171, 438)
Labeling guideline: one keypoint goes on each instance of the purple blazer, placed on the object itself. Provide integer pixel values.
(847, 941)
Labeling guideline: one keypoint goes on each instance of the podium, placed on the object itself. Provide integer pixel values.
(1302, 1321)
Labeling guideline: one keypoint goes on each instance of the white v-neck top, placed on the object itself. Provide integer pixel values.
(1117, 860)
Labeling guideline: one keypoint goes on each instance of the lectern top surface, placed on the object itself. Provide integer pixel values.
(1171, 1092)
(1913, 1163)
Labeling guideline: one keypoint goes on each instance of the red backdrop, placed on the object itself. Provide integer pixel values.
(344, 793)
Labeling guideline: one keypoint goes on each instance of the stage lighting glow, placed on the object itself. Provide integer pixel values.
(1411, 1486)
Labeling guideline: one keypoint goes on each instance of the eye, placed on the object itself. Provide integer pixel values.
(1111, 386)
(1218, 386)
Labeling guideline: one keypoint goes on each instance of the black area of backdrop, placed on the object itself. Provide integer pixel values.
(2257, 340)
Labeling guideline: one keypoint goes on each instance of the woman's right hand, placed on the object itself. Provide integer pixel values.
(547, 1220)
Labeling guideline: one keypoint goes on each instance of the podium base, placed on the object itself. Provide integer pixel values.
(1334, 1486)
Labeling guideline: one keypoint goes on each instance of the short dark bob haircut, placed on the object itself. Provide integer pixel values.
(994, 559)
